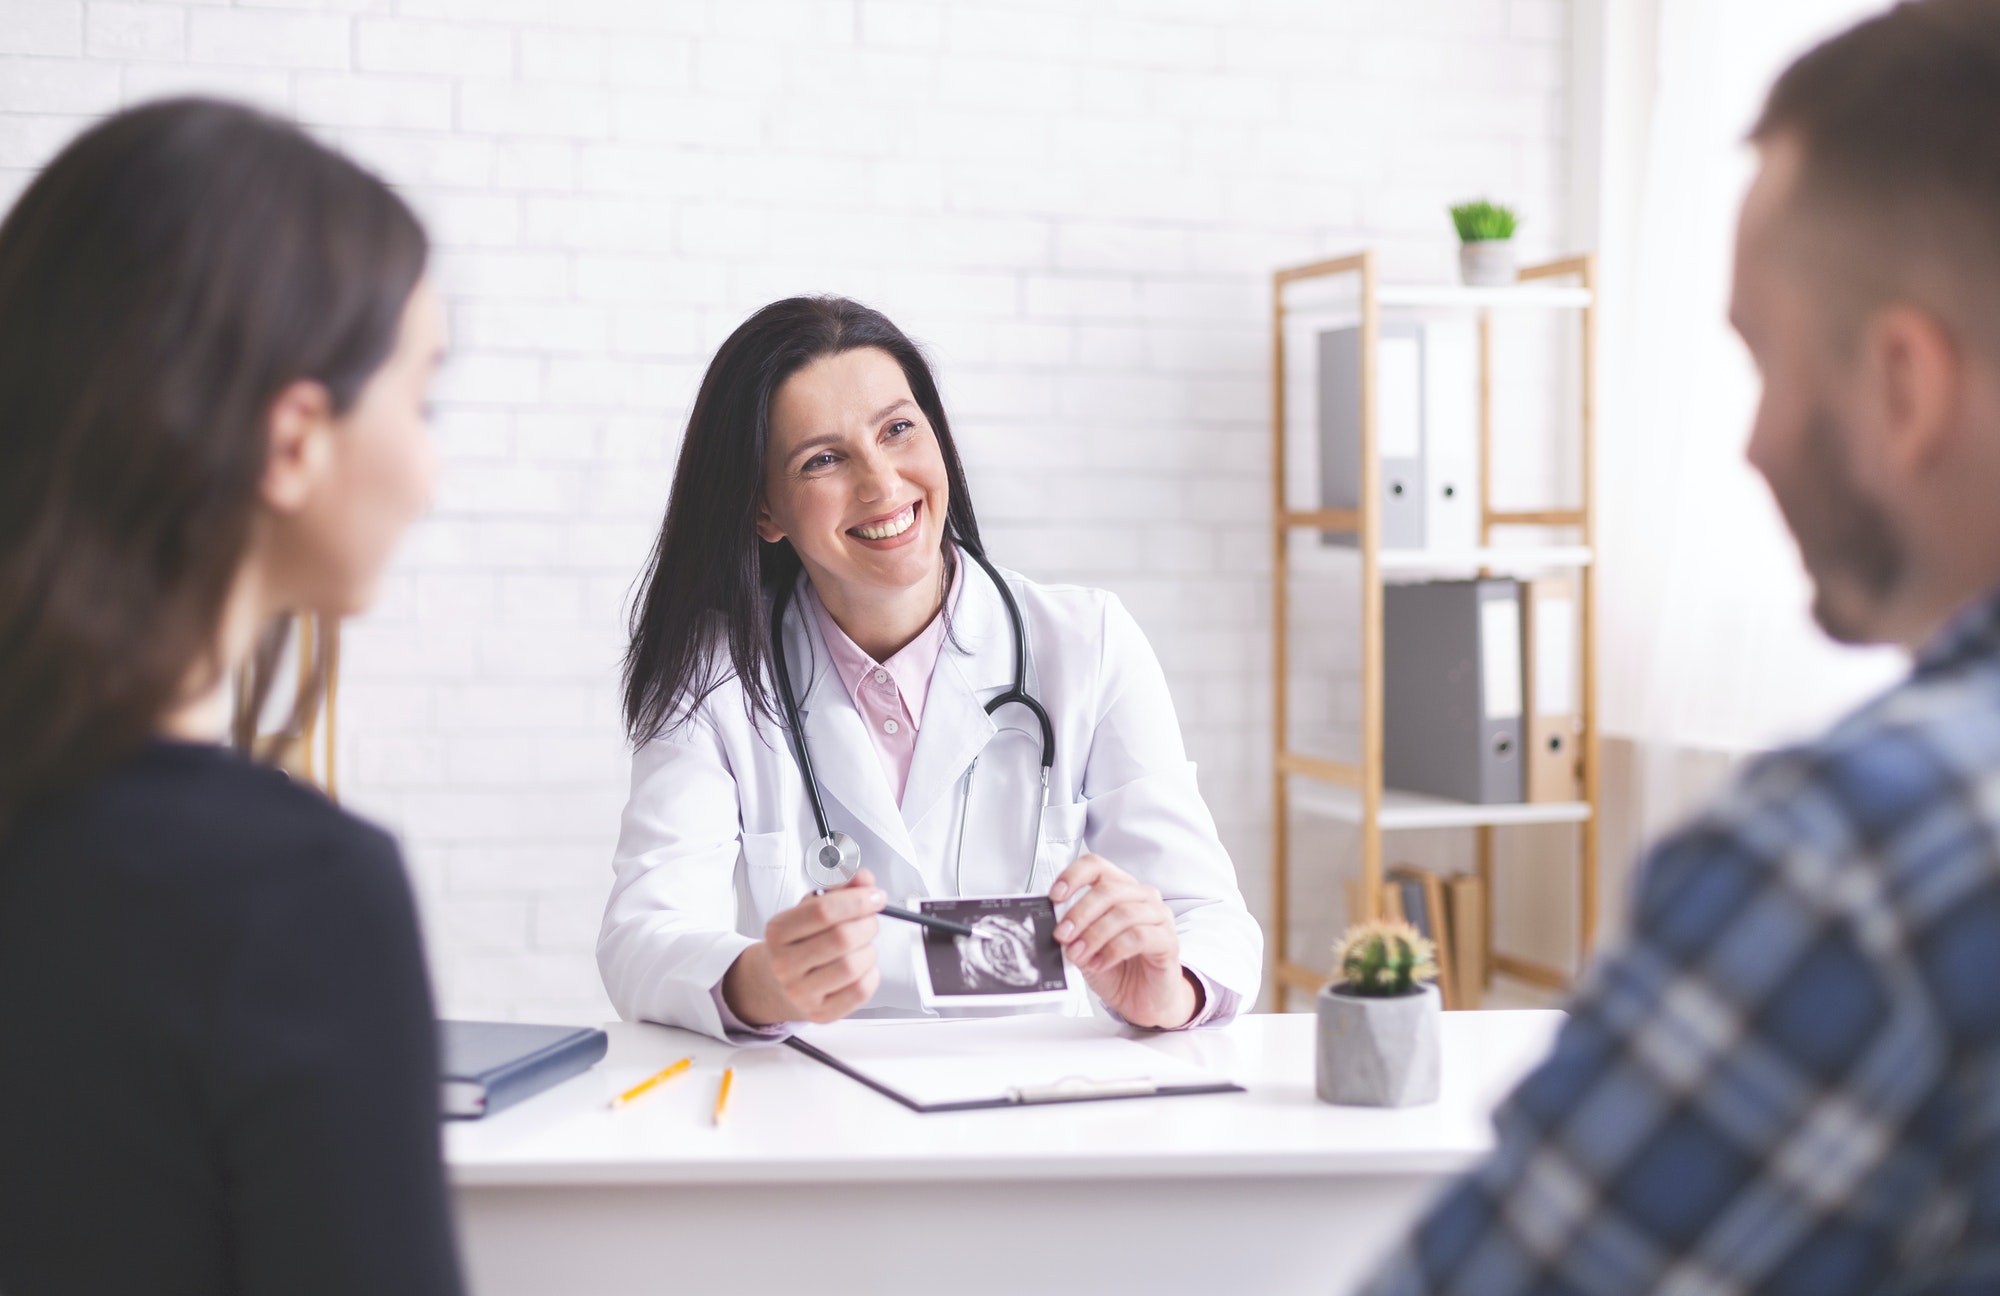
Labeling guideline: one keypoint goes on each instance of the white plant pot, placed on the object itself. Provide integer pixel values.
(1378, 1052)
(1488, 263)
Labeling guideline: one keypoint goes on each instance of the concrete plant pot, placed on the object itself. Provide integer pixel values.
(1487, 263)
(1378, 1052)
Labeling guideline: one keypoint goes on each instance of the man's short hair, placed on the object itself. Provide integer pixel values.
(1898, 122)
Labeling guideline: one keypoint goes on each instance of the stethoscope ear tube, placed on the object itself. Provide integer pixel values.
(1018, 692)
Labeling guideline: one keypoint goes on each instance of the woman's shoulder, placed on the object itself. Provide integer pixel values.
(189, 864)
(196, 817)
(1082, 634)
(1072, 611)
(1057, 596)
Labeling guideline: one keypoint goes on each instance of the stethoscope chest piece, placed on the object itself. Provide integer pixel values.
(832, 861)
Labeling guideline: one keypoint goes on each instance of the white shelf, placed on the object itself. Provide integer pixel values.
(1409, 564)
(1503, 559)
(1342, 296)
(1404, 811)
(1543, 296)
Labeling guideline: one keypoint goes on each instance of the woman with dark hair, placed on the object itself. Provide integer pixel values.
(834, 698)
(217, 1057)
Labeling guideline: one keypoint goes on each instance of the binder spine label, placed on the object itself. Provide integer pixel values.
(1500, 655)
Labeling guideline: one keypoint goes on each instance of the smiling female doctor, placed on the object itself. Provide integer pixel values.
(818, 490)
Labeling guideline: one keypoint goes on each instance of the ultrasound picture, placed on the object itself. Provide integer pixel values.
(1014, 952)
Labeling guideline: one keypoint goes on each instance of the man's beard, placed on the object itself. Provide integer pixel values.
(1845, 538)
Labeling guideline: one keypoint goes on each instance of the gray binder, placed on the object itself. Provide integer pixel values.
(1399, 429)
(1451, 690)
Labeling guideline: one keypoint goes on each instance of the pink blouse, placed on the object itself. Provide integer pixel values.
(890, 695)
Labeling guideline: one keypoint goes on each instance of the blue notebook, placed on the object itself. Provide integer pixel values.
(488, 1066)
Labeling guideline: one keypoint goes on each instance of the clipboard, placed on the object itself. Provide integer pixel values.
(983, 1064)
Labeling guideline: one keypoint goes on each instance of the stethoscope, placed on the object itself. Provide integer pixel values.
(834, 859)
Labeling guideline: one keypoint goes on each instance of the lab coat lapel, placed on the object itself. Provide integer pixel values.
(975, 663)
(843, 756)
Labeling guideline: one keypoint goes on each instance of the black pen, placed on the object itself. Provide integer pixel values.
(926, 920)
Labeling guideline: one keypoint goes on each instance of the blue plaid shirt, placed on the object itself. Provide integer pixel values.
(1788, 1080)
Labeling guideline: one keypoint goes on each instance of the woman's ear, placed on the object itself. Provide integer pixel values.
(767, 526)
(301, 430)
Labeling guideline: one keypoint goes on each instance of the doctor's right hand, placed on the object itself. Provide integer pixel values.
(816, 962)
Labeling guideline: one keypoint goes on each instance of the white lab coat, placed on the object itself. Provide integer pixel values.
(714, 833)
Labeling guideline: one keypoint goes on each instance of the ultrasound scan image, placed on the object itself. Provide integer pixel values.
(1002, 954)
(1013, 953)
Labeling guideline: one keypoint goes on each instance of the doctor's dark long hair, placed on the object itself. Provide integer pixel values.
(707, 583)
(166, 276)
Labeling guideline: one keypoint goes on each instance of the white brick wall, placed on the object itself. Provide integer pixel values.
(1076, 203)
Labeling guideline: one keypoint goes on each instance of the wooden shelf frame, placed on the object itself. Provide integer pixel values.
(312, 754)
(1365, 776)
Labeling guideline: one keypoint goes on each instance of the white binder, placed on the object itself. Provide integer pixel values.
(1555, 689)
(1427, 432)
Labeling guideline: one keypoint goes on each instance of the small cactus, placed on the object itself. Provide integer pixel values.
(1380, 959)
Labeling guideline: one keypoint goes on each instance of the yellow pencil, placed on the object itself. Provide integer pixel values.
(639, 1090)
(722, 1094)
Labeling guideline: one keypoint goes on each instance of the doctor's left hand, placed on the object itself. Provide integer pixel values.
(1121, 936)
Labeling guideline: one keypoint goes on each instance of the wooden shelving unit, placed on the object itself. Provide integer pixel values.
(311, 756)
(1353, 792)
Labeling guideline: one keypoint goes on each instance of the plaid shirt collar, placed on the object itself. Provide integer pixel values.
(1972, 633)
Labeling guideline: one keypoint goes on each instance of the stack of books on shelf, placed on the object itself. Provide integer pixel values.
(1449, 910)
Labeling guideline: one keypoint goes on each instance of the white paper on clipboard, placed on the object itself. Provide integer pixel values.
(989, 1061)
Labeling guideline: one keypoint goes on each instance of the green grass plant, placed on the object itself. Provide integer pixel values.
(1481, 221)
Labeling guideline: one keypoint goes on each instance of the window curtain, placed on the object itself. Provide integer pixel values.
(1708, 649)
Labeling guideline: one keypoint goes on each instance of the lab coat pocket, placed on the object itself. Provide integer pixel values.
(773, 878)
(1062, 842)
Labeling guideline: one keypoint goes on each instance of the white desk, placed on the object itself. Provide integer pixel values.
(817, 1185)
